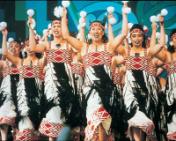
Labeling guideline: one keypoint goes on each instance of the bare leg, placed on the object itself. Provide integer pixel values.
(101, 133)
(138, 135)
(51, 139)
(4, 130)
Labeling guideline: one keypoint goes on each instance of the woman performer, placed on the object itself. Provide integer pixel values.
(101, 95)
(62, 103)
(8, 90)
(139, 99)
(28, 96)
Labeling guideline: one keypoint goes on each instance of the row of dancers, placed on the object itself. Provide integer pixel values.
(104, 88)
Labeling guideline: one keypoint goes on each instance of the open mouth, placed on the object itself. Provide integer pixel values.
(56, 32)
(96, 35)
(137, 42)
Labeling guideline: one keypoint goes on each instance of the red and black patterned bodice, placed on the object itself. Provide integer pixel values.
(97, 58)
(171, 68)
(151, 68)
(77, 68)
(28, 71)
(10, 70)
(59, 56)
(13, 70)
(137, 62)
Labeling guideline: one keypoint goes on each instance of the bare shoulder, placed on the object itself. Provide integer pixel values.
(44, 45)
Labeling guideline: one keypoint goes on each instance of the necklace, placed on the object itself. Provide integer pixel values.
(96, 48)
(58, 45)
(31, 63)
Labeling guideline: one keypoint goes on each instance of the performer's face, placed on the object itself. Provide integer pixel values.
(137, 38)
(56, 28)
(96, 31)
(14, 48)
(174, 39)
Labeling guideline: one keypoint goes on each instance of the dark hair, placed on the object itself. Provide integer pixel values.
(138, 26)
(97, 21)
(56, 19)
(172, 32)
(171, 47)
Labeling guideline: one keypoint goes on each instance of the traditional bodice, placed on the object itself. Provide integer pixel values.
(59, 55)
(97, 58)
(10, 70)
(171, 68)
(28, 71)
(137, 62)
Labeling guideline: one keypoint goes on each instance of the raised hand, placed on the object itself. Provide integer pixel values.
(5, 32)
(154, 26)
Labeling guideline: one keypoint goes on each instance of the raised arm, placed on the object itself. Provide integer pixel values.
(82, 25)
(118, 39)
(5, 52)
(162, 31)
(32, 42)
(110, 30)
(77, 44)
(153, 36)
(155, 49)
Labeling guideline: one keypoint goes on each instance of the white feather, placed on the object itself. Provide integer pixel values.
(145, 28)
(65, 4)
(45, 31)
(153, 19)
(8, 109)
(1, 29)
(166, 38)
(57, 12)
(126, 10)
(61, 11)
(129, 40)
(110, 9)
(54, 115)
(125, 1)
(130, 25)
(25, 123)
(171, 43)
(5, 86)
(112, 20)
(78, 36)
(50, 86)
(30, 12)
(89, 37)
(10, 39)
(78, 27)
(49, 26)
(164, 12)
(83, 13)
(23, 53)
(22, 98)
